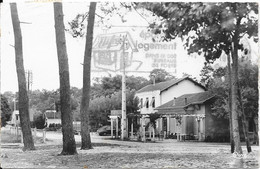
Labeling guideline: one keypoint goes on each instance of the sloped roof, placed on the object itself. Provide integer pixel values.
(50, 114)
(192, 99)
(165, 85)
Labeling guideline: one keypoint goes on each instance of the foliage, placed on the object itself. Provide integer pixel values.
(100, 107)
(153, 117)
(207, 27)
(159, 75)
(210, 29)
(44, 100)
(40, 121)
(105, 96)
(248, 81)
(10, 96)
(99, 111)
(54, 127)
(5, 111)
(220, 107)
(206, 74)
(107, 86)
(136, 83)
(218, 85)
(111, 84)
(105, 12)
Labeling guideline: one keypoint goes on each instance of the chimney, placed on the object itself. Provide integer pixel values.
(174, 101)
(153, 75)
(186, 101)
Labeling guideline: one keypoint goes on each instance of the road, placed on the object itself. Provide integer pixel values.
(111, 153)
(57, 136)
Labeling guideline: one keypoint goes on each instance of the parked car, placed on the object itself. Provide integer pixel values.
(106, 130)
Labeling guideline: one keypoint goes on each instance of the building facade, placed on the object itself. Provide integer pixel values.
(155, 95)
(190, 116)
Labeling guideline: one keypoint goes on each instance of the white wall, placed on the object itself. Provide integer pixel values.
(202, 110)
(149, 95)
(173, 128)
(13, 119)
(184, 87)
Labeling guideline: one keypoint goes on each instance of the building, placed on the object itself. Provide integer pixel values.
(190, 116)
(155, 95)
(15, 119)
(52, 117)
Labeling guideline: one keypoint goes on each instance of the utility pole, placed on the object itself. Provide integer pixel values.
(232, 143)
(14, 103)
(123, 120)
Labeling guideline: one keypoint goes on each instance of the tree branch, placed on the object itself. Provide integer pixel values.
(84, 17)
(100, 16)
(26, 22)
(142, 16)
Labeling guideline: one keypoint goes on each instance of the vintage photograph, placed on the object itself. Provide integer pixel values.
(107, 84)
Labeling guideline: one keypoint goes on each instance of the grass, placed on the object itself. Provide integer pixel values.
(116, 155)
(10, 138)
(7, 137)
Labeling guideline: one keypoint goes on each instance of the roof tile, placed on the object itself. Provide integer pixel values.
(179, 102)
(165, 85)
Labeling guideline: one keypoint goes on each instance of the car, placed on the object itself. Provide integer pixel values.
(106, 130)
(76, 132)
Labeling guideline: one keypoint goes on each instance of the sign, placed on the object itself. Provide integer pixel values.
(141, 53)
(116, 113)
(108, 51)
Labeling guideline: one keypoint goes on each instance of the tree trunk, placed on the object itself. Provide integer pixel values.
(69, 145)
(84, 107)
(232, 144)
(244, 122)
(234, 96)
(23, 97)
(256, 129)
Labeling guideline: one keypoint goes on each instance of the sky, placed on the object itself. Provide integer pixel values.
(39, 46)
(40, 54)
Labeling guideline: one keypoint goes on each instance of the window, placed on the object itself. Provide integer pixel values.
(141, 103)
(146, 103)
(153, 102)
(197, 107)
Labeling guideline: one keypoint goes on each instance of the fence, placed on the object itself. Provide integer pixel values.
(17, 132)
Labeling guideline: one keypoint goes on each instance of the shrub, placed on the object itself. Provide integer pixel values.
(54, 127)
(39, 121)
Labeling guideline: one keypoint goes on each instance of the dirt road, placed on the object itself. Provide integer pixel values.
(109, 153)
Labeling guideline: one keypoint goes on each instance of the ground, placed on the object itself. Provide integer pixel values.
(109, 153)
